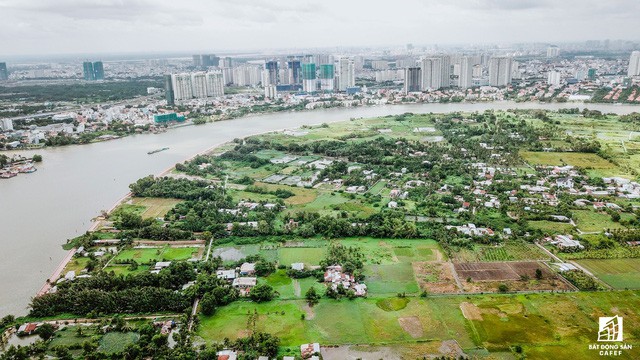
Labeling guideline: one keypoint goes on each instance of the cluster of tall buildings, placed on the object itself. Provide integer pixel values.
(4, 74)
(205, 60)
(439, 72)
(634, 64)
(197, 85)
(326, 75)
(93, 70)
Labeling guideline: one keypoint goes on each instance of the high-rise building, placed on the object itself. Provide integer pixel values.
(500, 71)
(346, 74)
(465, 78)
(4, 74)
(215, 83)
(271, 68)
(168, 90)
(445, 71)
(87, 71)
(182, 88)
(327, 76)
(309, 77)
(294, 72)
(98, 70)
(431, 74)
(553, 51)
(591, 74)
(199, 85)
(412, 79)
(93, 71)
(634, 64)
(553, 78)
(247, 75)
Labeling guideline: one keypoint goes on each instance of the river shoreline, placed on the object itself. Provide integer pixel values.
(76, 182)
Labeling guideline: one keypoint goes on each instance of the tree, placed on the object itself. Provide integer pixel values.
(208, 304)
(503, 288)
(37, 158)
(46, 331)
(538, 274)
(312, 296)
(262, 292)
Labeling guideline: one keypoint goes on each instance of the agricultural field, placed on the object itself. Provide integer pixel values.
(155, 207)
(517, 276)
(591, 221)
(618, 273)
(145, 255)
(509, 251)
(551, 227)
(544, 324)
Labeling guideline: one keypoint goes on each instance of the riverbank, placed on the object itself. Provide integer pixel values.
(74, 183)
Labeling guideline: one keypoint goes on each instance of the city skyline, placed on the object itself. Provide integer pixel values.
(35, 27)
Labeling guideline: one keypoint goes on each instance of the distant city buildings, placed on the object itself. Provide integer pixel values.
(198, 85)
(553, 51)
(327, 77)
(500, 71)
(346, 73)
(634, 64)
(553, 78)
(93, 71)
(205, 60)
(465, 78)
(431, 73)
(4, 74)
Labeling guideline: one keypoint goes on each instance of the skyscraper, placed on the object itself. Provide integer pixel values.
(168, 90)
(412, 79)
(309, 77)
(500, 71)
(199, 85)
(215, 83)
(553, 78)
(465, 79)
(182, 88)
(445, 71)
(4, 74)
(271, 67)
(294, 72)
(346, 74)
(327, 76)
(98, 70)
(634, 64)
(87, 71)
(431, 73)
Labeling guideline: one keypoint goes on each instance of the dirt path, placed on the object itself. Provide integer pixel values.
(296, 288)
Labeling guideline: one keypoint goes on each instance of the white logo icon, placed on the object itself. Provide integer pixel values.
(610, 329)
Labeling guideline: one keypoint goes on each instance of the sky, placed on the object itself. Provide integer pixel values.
(34, 27)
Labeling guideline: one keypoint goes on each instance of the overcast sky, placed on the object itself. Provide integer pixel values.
(102, 26)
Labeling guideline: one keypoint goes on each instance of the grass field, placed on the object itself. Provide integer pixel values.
(591, 221)
(583, 160)
(145, 255)
(117, 342)
(548, 326)
(551, 227)
(391, 279)
(155, 207)
(308, 256)
(619, 273)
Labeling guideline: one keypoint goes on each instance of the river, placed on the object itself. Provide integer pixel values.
(39, 211)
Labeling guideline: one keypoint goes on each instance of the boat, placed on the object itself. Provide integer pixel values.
(157, 150)
(8, 174)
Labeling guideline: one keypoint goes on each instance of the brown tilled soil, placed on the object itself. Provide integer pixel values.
(435, 277)
(412, 326)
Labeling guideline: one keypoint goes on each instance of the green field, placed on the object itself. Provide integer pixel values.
(146, 255)
(548, 326)
(308, 256)
(155, 207)
(583, 160)
(384, 280)
(117, 342)
(591, 221)
(509, 251)
(551, 227)
(619, 273)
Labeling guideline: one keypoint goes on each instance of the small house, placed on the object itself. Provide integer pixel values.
(248, 269)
